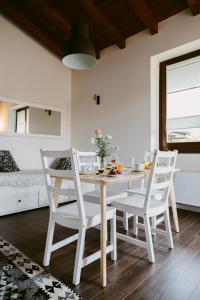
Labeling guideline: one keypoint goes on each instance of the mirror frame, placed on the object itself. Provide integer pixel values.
(34, 135)
(184, 147)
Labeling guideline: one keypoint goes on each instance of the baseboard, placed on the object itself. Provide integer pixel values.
(188, 207)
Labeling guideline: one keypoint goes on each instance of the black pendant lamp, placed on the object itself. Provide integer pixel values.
(80, 53)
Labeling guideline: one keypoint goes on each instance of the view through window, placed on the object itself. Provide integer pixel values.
(183, 101)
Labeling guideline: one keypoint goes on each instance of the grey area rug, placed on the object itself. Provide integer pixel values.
(21, 278)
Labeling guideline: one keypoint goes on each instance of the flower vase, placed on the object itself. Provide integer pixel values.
(102, 162)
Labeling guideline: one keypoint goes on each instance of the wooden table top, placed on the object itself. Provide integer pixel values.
(103, 179)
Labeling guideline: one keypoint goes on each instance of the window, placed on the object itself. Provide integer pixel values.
(180, 103)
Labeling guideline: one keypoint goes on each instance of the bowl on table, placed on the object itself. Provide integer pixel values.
(139, 167)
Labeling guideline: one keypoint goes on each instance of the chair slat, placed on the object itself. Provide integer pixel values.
(56, 154)
(163, 170)
(60, 191)
(58, 173)
(167, 154)
(81, 154)
(160, 185)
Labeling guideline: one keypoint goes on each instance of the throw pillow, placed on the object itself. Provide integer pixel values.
(64, 164)
(7, 162)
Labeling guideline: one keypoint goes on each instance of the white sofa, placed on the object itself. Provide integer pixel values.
(25, 190)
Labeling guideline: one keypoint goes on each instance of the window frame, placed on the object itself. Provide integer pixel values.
(17, 111)
(183, 147)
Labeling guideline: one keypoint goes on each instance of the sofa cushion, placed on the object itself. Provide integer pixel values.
(63, 164)
(7, 162)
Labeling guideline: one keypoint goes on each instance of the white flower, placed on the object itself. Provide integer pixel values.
(109, 137)
(92, 140)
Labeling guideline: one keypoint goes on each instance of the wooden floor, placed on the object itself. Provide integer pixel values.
(174, 276)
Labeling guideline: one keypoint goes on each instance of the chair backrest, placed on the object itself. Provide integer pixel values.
(87, 159)
(161, 175)
(148, 156)
(70, 174)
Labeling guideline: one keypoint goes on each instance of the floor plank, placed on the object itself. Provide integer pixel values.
(175, 275)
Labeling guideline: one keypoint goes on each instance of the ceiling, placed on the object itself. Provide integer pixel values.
(110, 21)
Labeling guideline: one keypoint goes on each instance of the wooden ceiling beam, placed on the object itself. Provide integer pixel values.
(54, 14)
(194, 6)
(29, 27)
(144, 12)
(102, 21)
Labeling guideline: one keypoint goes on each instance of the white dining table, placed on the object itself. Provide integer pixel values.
(103, 182)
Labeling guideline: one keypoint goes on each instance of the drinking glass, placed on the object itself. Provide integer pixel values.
(133, 162)
(114, 159)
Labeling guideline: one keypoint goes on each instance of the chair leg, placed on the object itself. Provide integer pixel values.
(125, 221)
(79, 256)
(149, 242)
(168, 229)
(135, 225)
(153, 224)
(113, 237)
(49, 242)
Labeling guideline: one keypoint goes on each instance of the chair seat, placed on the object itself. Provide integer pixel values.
(142, 191)
(135, 205)
(92, 211)
(94, 196)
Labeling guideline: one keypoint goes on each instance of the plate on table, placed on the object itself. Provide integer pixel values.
(117, 175)
(129, 169)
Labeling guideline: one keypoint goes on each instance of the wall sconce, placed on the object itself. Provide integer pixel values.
(48, 111)
(97, 99)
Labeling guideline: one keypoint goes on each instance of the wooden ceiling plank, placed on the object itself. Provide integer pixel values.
(144, 12)
(194, 6)
(102, 21)
(56, 14)
(26, 25)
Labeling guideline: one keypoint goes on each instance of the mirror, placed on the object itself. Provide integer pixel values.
(25, 119)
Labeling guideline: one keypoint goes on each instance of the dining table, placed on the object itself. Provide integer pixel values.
(103, 181)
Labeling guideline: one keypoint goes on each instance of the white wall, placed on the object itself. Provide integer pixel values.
(127, 81)
(30, 73)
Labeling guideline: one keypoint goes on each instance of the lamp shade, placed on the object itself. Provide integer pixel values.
(80, 53)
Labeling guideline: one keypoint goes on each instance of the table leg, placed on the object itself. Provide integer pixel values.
(126, 215)
(103, 235)
(58, 182)
(174, 209)
(129, 185)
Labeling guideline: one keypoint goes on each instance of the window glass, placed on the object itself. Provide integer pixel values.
(183, 101)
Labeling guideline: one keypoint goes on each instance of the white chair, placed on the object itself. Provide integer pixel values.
(148, 156)
(141, 190)
(79, 215)
(93, 196)
(147, 206)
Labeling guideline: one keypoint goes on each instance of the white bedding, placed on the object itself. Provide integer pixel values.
(24, 178)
